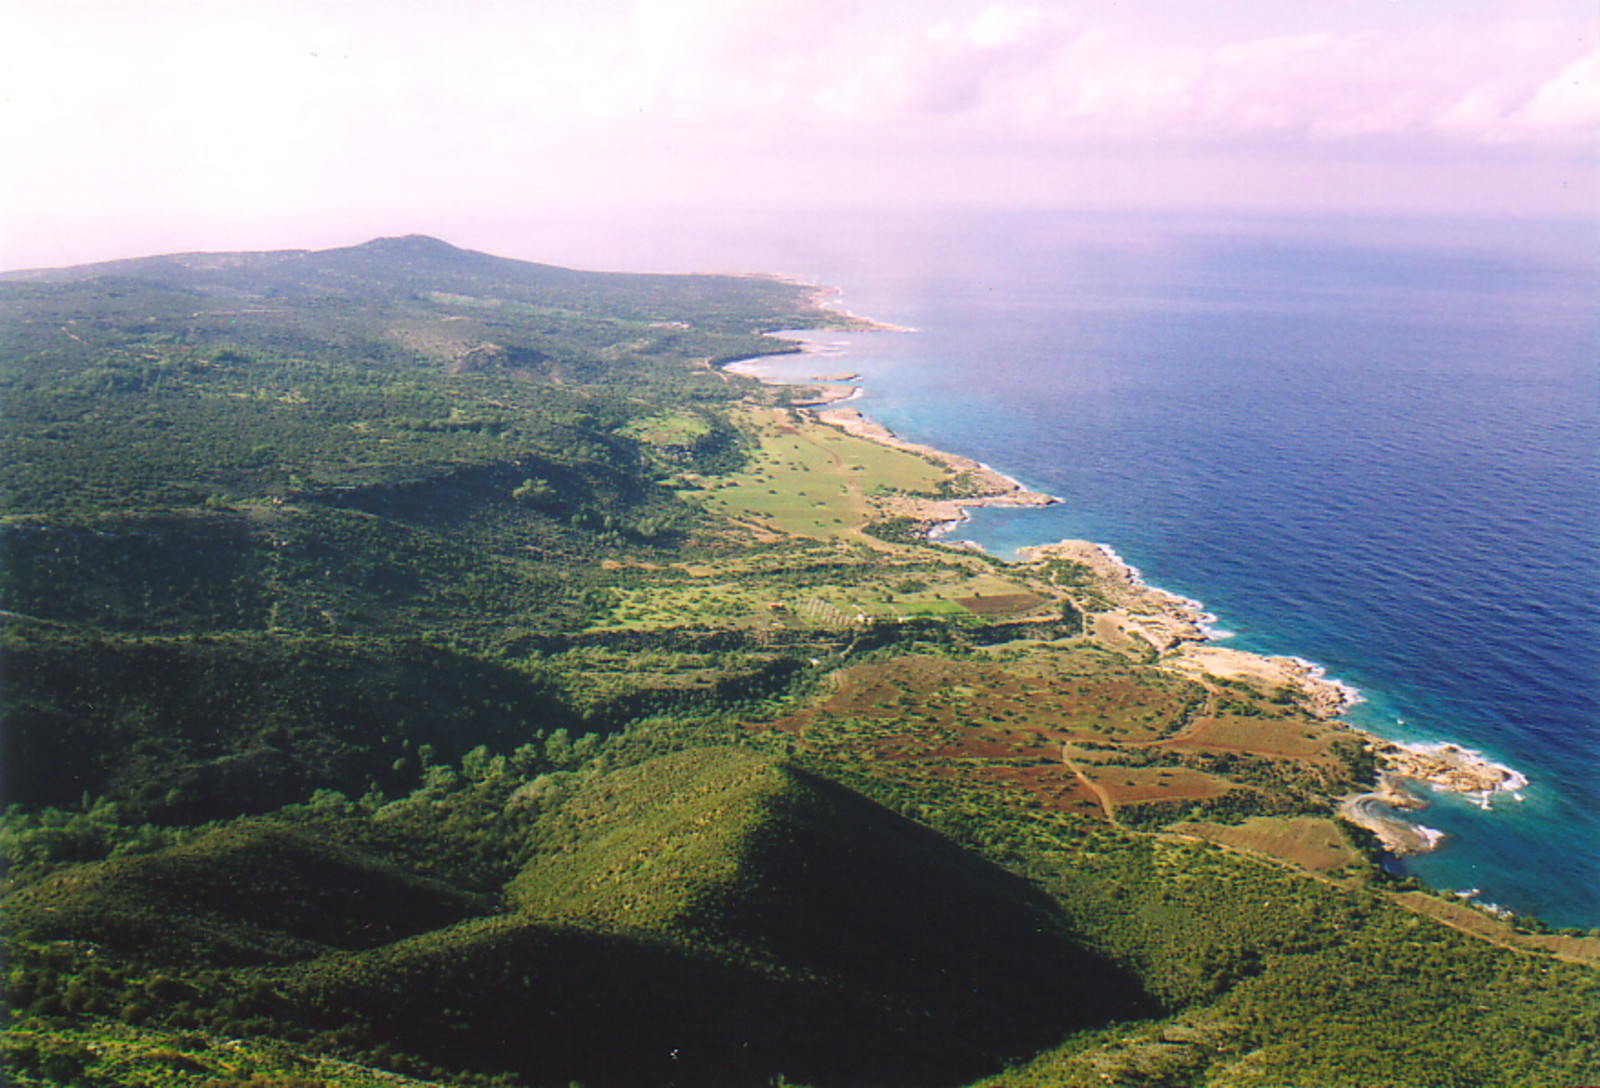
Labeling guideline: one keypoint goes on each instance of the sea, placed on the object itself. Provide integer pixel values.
(1370, 443)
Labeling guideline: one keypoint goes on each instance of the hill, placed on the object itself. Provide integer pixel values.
(719, 909)
(251, 892)
(183, 729)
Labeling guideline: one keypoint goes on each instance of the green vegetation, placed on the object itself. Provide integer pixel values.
(428, 668)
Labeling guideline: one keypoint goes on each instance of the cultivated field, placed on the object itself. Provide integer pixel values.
(1062, 726)
(1315, 843)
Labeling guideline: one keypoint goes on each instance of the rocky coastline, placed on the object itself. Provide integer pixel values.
(1446, 767)
(1177, 631)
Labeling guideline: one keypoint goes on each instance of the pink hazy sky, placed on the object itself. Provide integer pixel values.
(138, 126)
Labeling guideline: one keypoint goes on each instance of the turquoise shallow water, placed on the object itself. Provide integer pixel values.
(1372, 445)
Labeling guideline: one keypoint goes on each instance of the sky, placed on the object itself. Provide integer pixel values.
(142, 126)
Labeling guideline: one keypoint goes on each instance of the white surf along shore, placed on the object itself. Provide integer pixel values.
(1177, 628)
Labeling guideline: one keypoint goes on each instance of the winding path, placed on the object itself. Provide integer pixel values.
(1106, 804)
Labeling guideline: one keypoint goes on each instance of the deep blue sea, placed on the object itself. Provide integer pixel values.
(1369, 444)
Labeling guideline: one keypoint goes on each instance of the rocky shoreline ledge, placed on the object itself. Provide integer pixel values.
(1447, 767)
(1178, 630)
(1450, 767)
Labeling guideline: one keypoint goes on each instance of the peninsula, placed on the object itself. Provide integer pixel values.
(429, 668)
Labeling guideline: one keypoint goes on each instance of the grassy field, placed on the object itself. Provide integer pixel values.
(669, 429)
(829, 584)
(814, 481)
(1314, 843)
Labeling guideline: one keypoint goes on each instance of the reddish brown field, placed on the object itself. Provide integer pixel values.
(1259, 736)
(1133, 785)
(1049, 786)
(1001, 604)
(1056, 702)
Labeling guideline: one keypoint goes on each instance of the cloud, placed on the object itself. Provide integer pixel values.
(1036, 73)
(780, 67)
(178, 111)
(1569, 102)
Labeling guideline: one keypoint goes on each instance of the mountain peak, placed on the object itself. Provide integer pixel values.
(411, 243)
